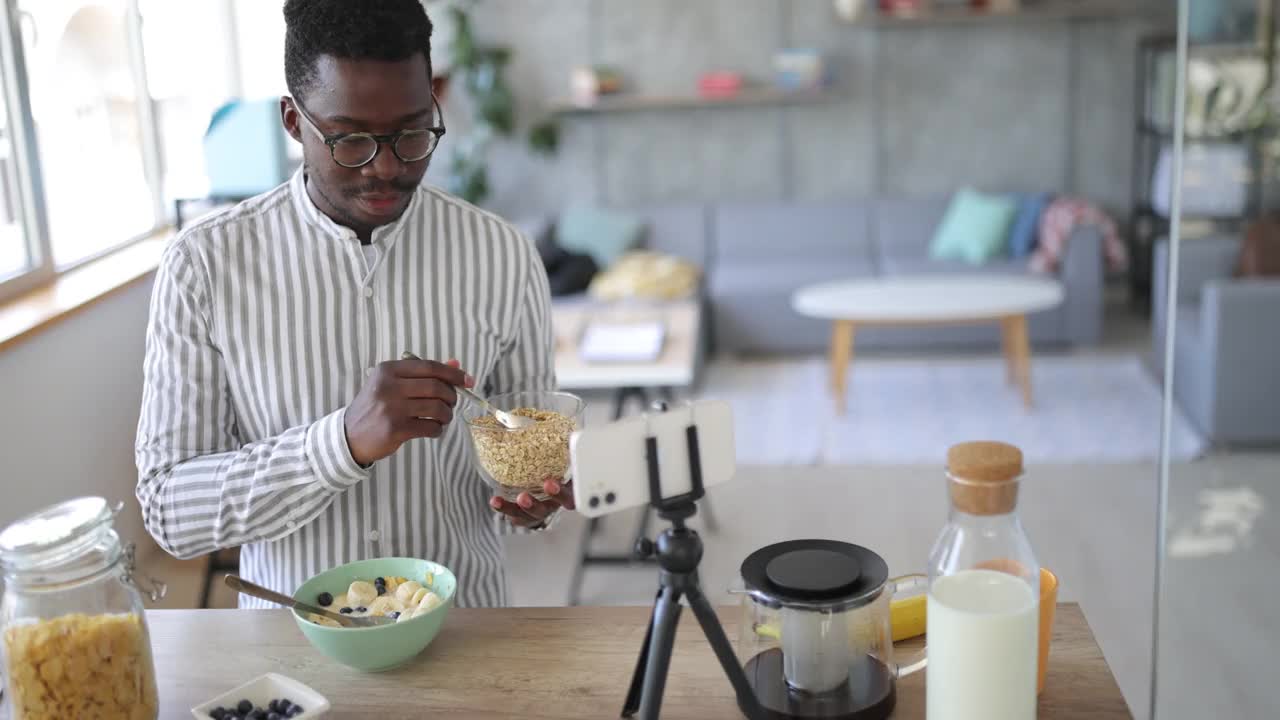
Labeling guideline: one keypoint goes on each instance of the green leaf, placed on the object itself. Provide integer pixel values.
(544, 138)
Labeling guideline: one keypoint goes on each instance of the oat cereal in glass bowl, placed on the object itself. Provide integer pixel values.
(516, 461)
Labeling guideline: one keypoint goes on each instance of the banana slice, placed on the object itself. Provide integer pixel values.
(417, 597)
(361, 593)
(385, 605)
(404, 616)
(321, 620)
(431, 601)
(405, 592)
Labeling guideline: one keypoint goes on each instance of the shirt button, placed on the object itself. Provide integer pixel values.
(368, 372)
(368, 292)
(373, 536)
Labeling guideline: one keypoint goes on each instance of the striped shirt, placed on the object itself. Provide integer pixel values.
(265, 321)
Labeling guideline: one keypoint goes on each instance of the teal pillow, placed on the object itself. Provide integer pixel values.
(602, 234)
(975, 228)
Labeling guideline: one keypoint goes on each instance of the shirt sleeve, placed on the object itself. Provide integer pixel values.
(200, 487)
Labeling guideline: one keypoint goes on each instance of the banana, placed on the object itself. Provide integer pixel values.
(906, 618)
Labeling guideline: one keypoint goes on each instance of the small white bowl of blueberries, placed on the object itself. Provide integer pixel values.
(268, 697)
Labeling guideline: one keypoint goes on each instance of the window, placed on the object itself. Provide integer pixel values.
(103, 109)
(90, 107)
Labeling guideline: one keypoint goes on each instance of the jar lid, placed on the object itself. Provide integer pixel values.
(818, 574)
(53, 531)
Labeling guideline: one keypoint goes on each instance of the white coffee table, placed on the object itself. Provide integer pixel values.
(930, 300)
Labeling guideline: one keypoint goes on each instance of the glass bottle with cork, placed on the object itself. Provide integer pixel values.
(984, 591)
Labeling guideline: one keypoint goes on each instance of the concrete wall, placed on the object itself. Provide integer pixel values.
(71, 397)
(1045, 105)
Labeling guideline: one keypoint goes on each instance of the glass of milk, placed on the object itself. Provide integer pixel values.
(984, 593)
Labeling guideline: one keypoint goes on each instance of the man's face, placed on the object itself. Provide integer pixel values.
(369, 96)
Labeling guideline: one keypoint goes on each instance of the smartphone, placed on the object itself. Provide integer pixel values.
(611, 471)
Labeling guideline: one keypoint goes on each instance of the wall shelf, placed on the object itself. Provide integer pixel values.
(1032, 12)
(626, 102)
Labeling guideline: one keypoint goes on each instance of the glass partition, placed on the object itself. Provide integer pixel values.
(1216, 296)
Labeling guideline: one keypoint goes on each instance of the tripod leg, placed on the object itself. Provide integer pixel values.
(666, 615)
(632, 703)
(724, 651)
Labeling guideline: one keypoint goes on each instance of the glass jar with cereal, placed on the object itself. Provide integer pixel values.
(75, 640)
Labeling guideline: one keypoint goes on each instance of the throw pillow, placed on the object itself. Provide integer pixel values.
(1024, 233)
(974, 229)
(602, 234)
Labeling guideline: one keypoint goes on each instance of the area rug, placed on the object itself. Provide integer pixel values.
(1086, 409)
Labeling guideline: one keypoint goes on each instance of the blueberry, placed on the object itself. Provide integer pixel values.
(379, 581)
(395, 615)
(283, 706)
(218, 713)
(258, 714)
(244, 707)
(325, 599)
(362, 609)
(275, 716)
(295, 711)
(345, 611)
(273, 706)
(382, 589)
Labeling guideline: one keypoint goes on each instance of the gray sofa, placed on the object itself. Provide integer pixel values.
(1226, 345)
(755, 255)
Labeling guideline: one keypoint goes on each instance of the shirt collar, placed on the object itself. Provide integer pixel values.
(315, 217)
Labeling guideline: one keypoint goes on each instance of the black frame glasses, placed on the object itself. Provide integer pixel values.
(394, 139)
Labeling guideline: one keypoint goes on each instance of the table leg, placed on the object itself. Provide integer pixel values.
(1018, 353)
(1006, 348)
(841, 356)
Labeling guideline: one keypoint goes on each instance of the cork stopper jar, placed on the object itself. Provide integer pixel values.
(983, 476)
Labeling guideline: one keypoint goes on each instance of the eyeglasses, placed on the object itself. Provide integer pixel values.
(357, 149)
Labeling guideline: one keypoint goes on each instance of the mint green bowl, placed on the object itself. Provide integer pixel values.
(384, 647)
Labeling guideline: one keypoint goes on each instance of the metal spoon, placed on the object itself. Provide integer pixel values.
(508, 420)
(244, 586)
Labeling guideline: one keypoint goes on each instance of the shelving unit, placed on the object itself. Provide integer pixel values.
(1150, 136)
(755, 97)
(1030, 12)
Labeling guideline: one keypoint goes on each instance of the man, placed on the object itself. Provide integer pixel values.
(277, 414)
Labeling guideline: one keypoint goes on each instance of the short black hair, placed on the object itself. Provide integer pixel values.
(366, 30)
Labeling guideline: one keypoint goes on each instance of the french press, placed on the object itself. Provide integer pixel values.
(815, 637)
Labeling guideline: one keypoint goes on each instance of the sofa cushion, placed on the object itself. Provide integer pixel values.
(807, 231)
(975, 228)
(925, 266)
(904, 225)
(679, 230)
(785, 277)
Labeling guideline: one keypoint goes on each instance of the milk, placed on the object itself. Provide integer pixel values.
(983, 646)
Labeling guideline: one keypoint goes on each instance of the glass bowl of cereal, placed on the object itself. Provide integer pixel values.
(519, 460)
(417, 594)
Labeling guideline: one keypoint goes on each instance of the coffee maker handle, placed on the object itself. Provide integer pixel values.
(920, 658)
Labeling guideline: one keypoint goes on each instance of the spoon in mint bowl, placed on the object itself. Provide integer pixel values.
(510, 421)
(244, 586)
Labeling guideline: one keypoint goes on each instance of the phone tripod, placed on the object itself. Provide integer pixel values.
(678, 550)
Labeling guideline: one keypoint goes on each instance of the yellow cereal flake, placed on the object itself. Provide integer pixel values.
(81, 666)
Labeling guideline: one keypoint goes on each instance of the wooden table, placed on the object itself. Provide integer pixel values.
(534, 663)
(930, 300)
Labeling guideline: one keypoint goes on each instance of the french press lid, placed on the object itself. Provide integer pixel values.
(814, 574)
